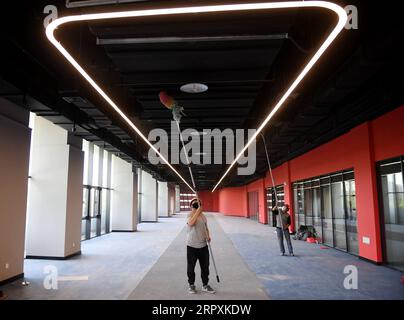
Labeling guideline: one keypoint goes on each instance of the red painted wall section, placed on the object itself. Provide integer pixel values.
(359, 149)
(215, 201)
(259, 185)
(351, 150)
(207, 199)
(388, 135)
(233, 201)
(366, 196)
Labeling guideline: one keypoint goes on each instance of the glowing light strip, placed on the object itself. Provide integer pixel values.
(199, 9)
(342, 19)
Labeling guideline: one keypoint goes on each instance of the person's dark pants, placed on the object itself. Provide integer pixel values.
(287, 237)
(201, 254)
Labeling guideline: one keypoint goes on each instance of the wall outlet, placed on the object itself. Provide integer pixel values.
(7, 265)
(366, 240)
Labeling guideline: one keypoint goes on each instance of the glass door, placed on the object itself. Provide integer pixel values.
(85, 217)
(351, 214)
(392, 207)
(317, 220)
(339, 227)
(95, 212)
(328, 237)
(298, 194)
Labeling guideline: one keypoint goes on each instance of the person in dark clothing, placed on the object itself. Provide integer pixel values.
(283, 222)
(197, 247)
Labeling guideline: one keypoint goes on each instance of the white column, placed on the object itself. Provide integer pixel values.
(163, 199)
(177, 198)
(171, 199)
(55, 192)
(123, 212)
(148, 198)
(14, 162)
(135, 195)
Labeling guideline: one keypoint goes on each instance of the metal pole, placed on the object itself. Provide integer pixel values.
(270, 170)
(213, 261)
(193, 184)
(273, 184)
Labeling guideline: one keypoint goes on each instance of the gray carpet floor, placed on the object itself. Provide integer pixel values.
(315, 272)
(151, 264)
(167, 278)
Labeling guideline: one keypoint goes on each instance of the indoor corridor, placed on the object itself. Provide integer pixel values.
(151, 264)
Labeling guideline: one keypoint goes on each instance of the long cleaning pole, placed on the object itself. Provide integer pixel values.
(273, 184)
(193, 184)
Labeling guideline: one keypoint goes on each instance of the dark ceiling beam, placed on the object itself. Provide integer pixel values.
(123, 41)
(181, 77)
(214, 108)
(229, 83)
(201, 96)
(205, 103)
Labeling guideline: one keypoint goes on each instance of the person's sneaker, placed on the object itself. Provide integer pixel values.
(292, 254)
(208, 289)
(282, 254)
(192, 288)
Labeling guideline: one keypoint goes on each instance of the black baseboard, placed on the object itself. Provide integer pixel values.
(54, 258)
(12, 279)
(371, 261)
(123, 230)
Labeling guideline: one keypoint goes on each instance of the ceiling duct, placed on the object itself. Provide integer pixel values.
(114, 41)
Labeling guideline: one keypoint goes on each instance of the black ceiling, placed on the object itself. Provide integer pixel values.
(246, 61)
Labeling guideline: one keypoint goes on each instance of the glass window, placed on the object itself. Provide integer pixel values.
(339, 215)
(317, 211)
(94, 223)
(328, 203)
(83, 230)
(86, 156)
(351, 219)
(106, 170)
(104, 209)
(96, 165)
(391, 182)
(308, 204)
(328, 237)
(85, 212)
(296, 206)
(96, 192)
(299, 205)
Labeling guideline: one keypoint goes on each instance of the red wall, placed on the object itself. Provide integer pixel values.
(209, 200)
(359, 149)
(388, 135)
(259, 185)
(233, 201)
